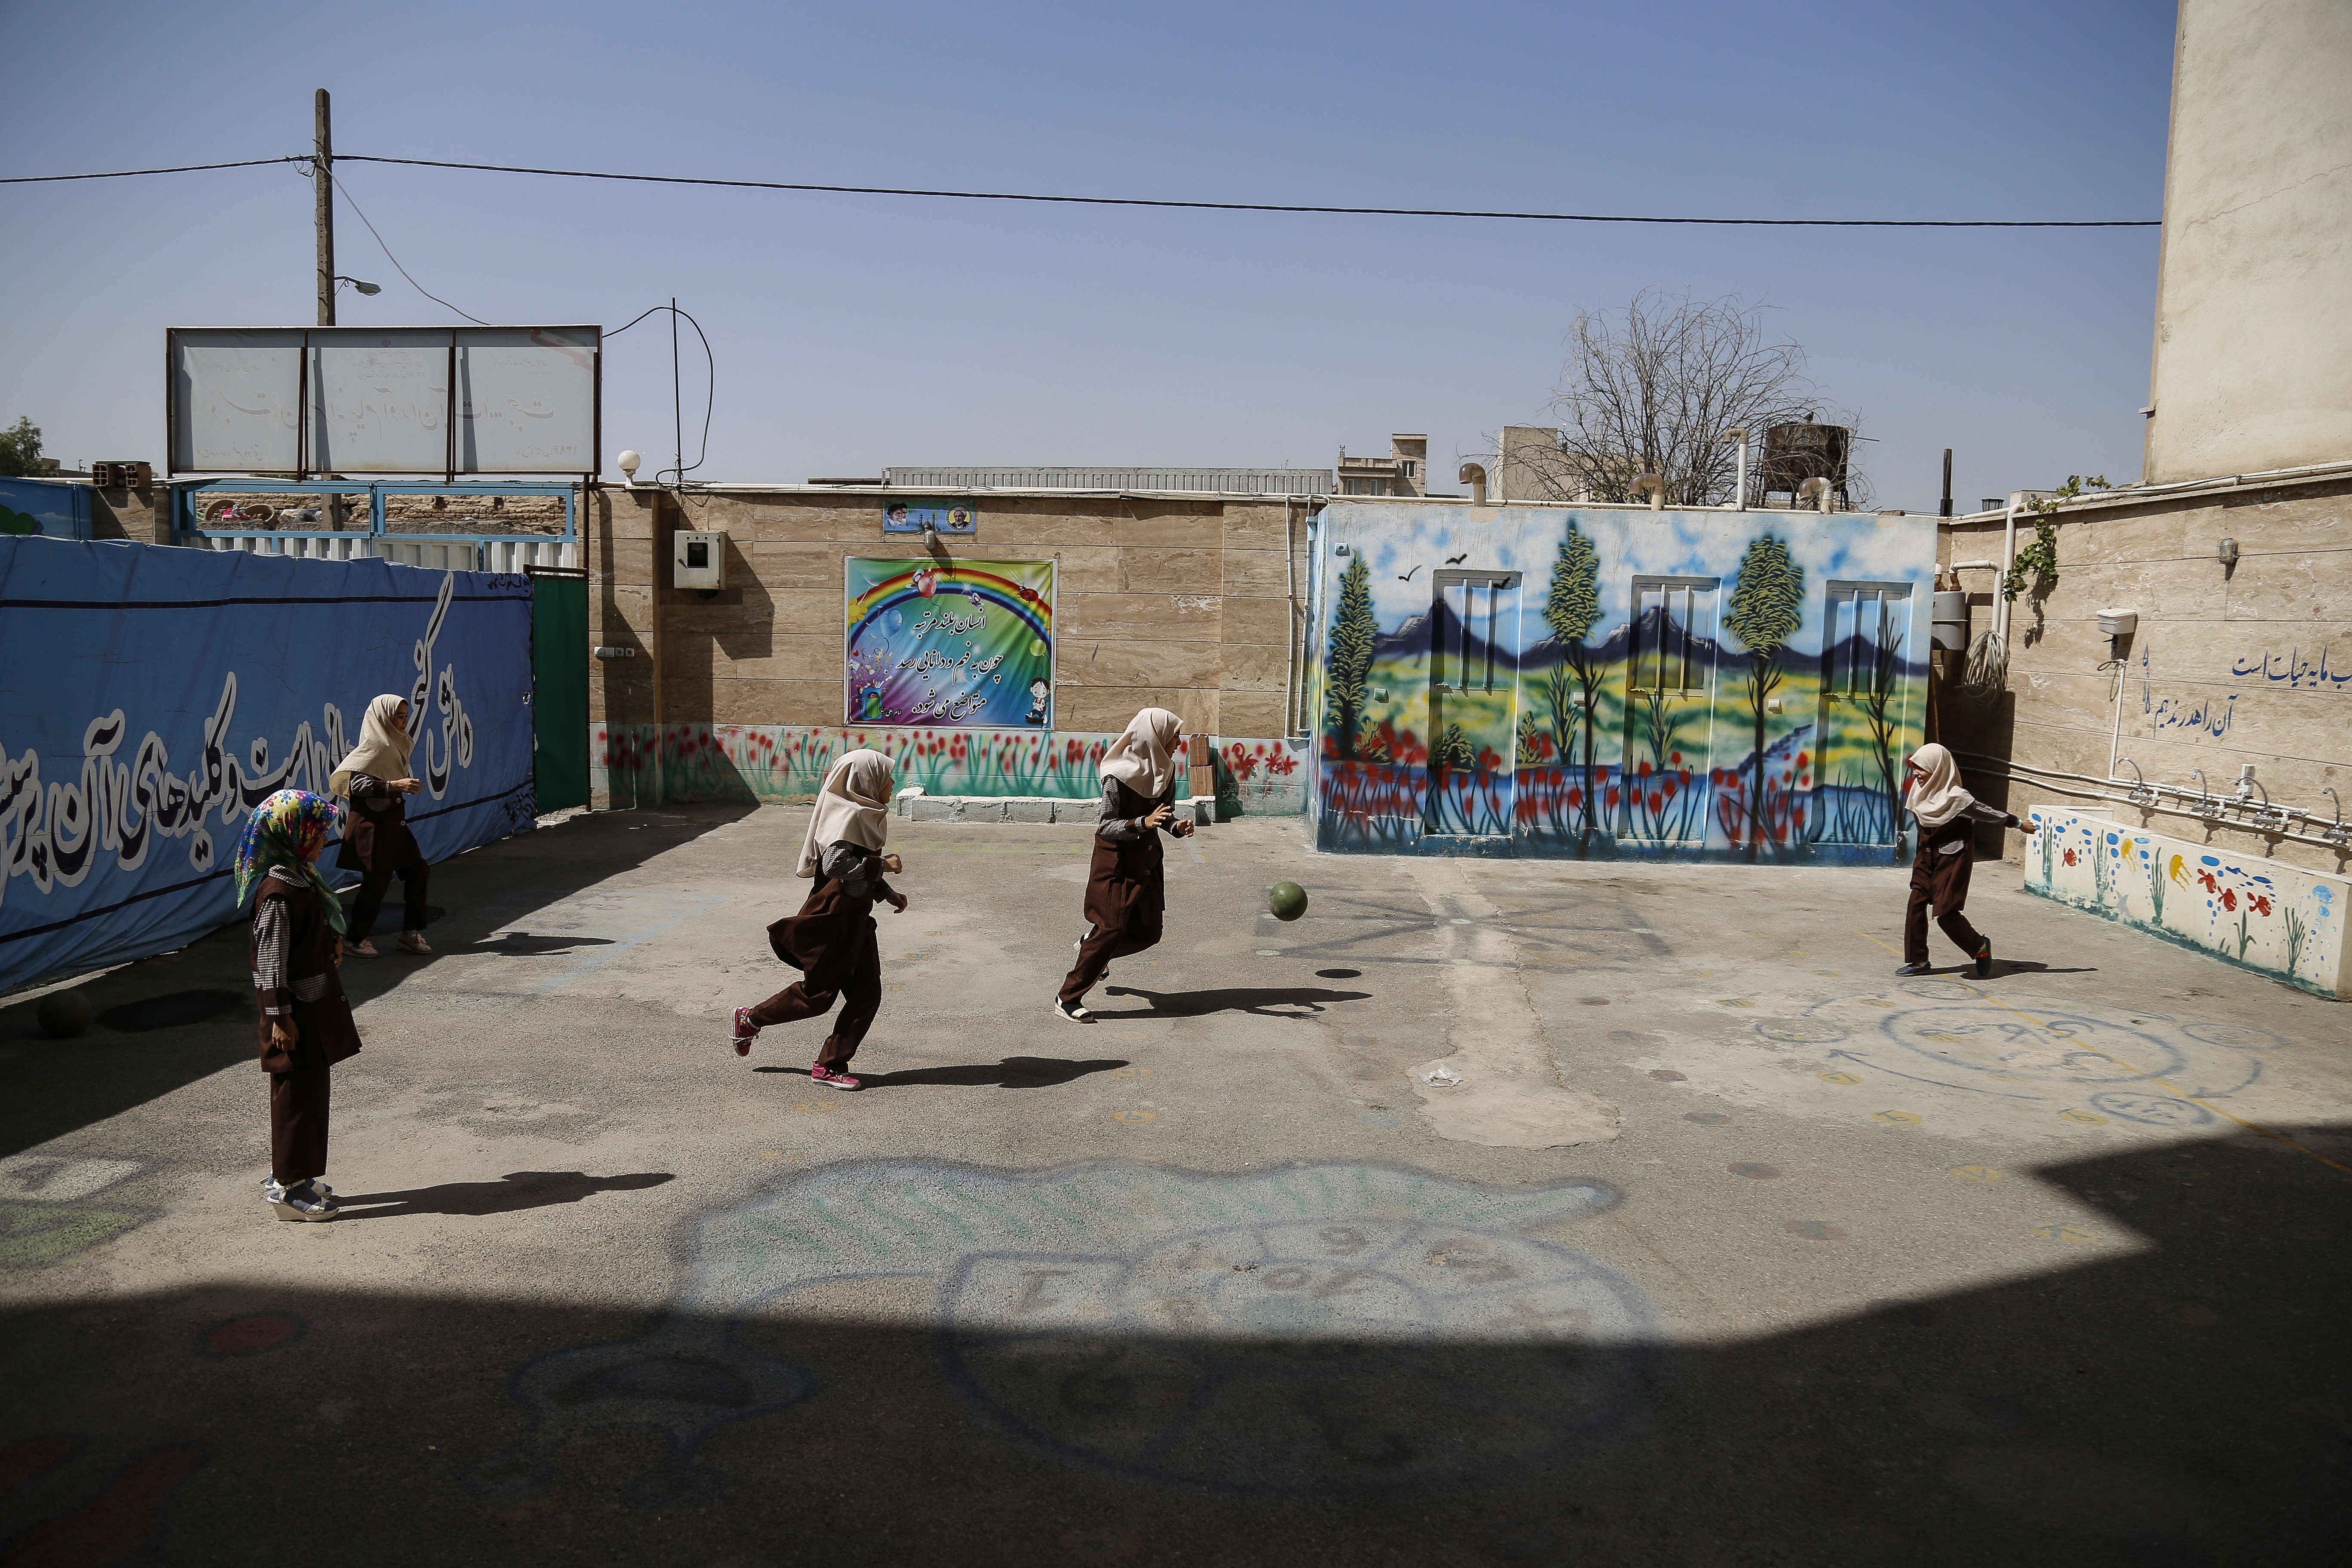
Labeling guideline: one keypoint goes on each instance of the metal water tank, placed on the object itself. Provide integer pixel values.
(1801, 450)
(1948, 629)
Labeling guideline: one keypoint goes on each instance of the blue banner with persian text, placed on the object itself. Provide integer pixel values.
(150, 697)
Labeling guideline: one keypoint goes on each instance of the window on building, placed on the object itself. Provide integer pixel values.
(1409, 469)
(1474, 609)
(1673, 634)
(1864, 637)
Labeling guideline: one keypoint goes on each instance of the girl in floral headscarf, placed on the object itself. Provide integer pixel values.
(305, 1020)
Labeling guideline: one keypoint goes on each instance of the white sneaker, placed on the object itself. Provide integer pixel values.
(1075, 1012)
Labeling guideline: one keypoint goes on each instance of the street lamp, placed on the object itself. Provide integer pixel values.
(363, 288)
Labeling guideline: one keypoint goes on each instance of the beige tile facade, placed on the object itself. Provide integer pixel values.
(2228, 666)
(1181, 602)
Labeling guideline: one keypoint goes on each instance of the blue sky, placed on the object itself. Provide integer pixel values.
(853, 331)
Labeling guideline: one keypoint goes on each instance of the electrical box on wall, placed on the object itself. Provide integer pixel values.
(698, 558)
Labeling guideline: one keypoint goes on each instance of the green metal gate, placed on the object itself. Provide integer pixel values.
(559, 701)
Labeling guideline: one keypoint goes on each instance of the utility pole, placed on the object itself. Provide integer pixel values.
(322, 188)
(1945, 510)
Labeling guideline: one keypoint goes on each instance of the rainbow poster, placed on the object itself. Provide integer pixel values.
(936, 642)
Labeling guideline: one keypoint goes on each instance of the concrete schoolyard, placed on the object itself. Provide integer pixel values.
(1726, 1246)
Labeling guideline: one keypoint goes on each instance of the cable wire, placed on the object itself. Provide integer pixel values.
(132, 173)
(1129, 201)
(1268, 207)
(709, 393)
(396, 266)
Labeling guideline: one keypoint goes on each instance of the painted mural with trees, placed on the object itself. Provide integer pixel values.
(1697, 684)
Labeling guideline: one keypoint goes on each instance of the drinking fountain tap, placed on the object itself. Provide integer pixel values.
(2141, 796)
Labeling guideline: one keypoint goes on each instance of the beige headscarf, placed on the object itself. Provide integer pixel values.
(854, 803)
(1937, 798)
(1144, 756)
(382, 751)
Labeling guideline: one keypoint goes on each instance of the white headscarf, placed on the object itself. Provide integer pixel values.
(382, 751)
(1144, 756)
(1937, 798)
(853, 803)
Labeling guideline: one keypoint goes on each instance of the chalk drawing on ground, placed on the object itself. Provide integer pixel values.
(2002, 1064)
(1322, 1328)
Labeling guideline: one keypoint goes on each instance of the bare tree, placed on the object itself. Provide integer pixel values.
(1653, 391)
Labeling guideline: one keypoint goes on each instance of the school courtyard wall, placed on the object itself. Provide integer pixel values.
(2229, 664)
(1610, 682)
(1192, 603)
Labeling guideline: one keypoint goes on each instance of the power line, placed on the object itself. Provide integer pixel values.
(132, 173)
(1162, 201)
(1272, 206)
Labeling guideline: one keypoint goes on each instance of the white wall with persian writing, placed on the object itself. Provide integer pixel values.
(2229, 666)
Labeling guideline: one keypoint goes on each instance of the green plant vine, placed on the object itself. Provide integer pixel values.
(2036, 565)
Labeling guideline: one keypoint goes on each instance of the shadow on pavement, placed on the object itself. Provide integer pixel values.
(1012, 1072)
(49, 1088)
(515, 1191)
(2183, 1402)
(1261, 1001)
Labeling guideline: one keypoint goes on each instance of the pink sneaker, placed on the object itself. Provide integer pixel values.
(820, 1073)
(746, 1031)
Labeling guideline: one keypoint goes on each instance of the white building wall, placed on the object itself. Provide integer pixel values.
(2253, 329)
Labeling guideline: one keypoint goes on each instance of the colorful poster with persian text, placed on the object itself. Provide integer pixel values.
(938, 642)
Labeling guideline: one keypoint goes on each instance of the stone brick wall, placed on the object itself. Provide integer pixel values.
(2227, 666)
(1176, 602)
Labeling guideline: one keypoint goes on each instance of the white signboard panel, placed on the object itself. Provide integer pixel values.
(380, 405)
(527, 399)
(365, 400)
(236, 401)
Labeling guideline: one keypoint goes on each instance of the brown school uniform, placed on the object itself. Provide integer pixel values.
(378, 844)
(1127, 886)
(831, 942)
(302, 979)
(1939, 877)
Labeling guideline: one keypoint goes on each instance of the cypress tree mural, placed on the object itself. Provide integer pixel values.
(1353, 632)
(1767, 606)
(1570, 607)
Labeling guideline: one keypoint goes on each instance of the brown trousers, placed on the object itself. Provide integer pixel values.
(375, 885)
(860, 995)
(1127, 898)
(1941, 880)
(297, 1124)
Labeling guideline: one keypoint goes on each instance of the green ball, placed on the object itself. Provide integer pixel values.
(62, 1014)
(1286, 900)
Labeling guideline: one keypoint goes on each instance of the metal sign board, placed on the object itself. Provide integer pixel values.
(376, 400)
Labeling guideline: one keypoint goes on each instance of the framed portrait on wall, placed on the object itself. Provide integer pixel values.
(939, 643)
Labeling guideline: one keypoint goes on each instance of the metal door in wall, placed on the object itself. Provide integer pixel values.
(1474, 687)
(558, 698)
(1858, 777)
(1666, 780)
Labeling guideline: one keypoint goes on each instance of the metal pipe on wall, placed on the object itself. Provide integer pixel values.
(1290, 598)
(2008, 563)
(2152, 801)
